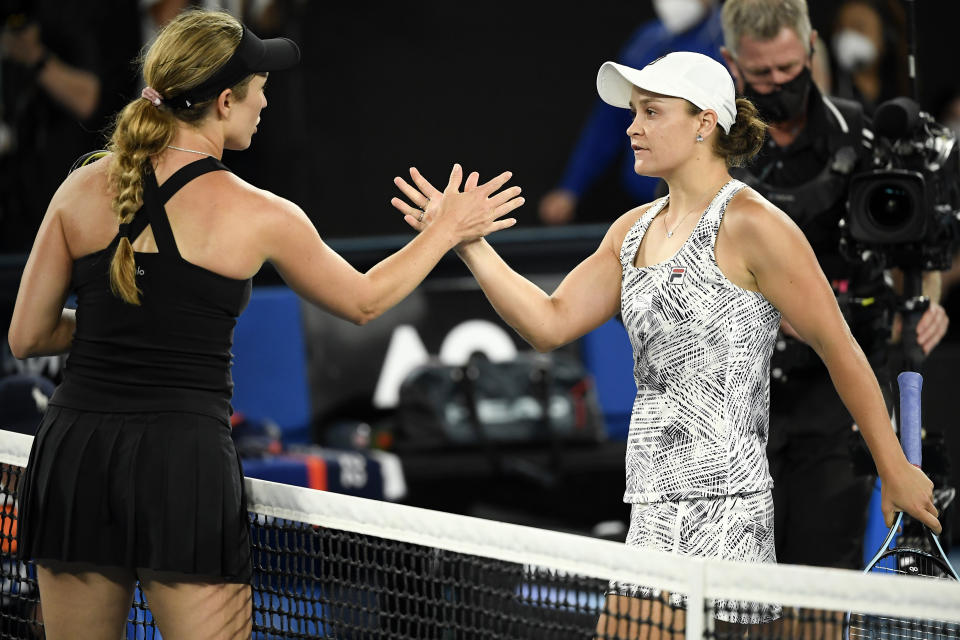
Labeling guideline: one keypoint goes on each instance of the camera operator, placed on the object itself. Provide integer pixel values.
(50, 96)
(814, 146)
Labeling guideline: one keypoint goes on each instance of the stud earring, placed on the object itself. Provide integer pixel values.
(699, 138)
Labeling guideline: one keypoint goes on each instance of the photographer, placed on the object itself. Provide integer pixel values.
(814, 146)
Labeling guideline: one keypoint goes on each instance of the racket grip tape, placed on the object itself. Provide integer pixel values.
(910, 383)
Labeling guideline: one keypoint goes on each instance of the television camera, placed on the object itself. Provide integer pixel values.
(905, 210)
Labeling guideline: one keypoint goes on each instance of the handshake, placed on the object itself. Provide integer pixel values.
(466, 215)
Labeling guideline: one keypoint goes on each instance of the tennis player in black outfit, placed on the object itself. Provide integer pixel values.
(133, 474)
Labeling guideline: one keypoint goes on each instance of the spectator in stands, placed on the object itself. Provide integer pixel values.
(869, 52)
(51, 90)
(680, 25)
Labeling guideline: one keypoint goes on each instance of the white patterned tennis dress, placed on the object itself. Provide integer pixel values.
(697, 473)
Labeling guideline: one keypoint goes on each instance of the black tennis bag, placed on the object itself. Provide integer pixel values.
(534, 398)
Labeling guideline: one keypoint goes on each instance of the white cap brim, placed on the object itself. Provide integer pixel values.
(701, 80)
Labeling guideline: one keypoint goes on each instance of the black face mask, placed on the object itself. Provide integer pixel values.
(785, 102)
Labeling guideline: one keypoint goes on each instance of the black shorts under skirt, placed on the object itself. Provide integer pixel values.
(161, 490)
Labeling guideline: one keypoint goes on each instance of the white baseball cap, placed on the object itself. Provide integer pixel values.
(682, 74)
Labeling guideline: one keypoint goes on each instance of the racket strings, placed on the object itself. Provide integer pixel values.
(907, 562)
(867, 627)
(914, 563)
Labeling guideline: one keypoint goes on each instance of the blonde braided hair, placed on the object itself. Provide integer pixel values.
(190, 49)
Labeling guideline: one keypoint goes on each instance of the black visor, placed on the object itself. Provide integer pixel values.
(252, 55)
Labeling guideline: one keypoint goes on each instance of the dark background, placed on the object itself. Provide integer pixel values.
(495, 86)
(505, 85)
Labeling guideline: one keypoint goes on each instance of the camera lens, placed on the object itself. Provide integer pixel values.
(890, 206)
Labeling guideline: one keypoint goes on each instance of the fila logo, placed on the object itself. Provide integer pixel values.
(676, 275)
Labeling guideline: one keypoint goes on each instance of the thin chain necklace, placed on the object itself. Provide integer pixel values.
(670, 231)
(199, 153)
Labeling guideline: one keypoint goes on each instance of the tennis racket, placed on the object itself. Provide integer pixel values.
(909, 557)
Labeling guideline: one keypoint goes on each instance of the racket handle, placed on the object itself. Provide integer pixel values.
(910, 383)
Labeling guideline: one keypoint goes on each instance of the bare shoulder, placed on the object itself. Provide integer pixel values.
(622, 225)
(85, 196)
(269, 222)
(751, 216)
(92, 177)
(762, 235)
(252, 201)
(628, 219)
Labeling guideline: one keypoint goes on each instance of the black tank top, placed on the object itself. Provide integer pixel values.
(171, 353)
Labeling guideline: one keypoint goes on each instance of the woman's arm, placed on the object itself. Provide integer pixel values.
(787, 273)
(586, 298)
(321, 276)
(40, 325)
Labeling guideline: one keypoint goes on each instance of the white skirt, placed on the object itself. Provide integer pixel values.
(738, 527)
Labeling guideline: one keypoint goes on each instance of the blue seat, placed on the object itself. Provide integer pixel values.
(608, 356)
(270, 367)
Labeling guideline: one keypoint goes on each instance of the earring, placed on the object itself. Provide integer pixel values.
(699, 138)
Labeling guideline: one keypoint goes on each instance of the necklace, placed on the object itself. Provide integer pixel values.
(199, 153)
(670, 231)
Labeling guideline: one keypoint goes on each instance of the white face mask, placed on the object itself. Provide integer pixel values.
(679, 15)
(853, 50)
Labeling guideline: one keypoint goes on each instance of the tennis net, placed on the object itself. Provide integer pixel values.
(334, 566)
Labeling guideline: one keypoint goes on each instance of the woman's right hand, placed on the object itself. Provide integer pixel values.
(471, 214)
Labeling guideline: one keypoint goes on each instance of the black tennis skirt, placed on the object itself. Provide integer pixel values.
(160, 490)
